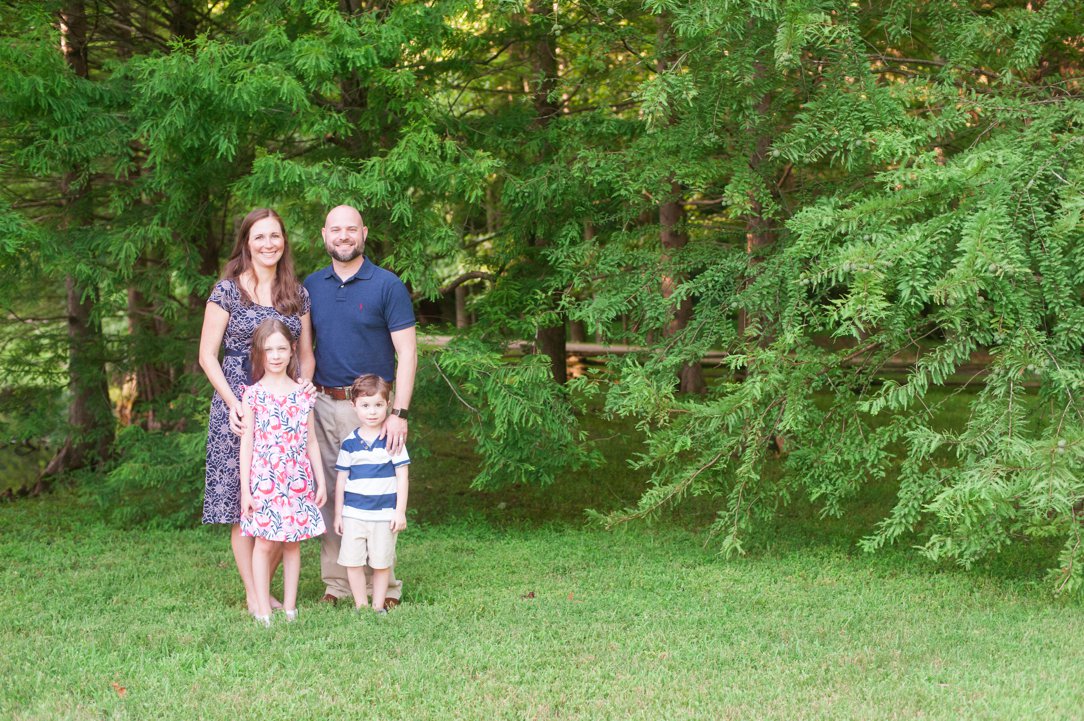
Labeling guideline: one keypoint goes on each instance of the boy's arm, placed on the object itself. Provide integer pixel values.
(340, 496)
(402, 487)
(315, 460)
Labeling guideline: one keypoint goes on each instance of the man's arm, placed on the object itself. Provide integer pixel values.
(406, 366)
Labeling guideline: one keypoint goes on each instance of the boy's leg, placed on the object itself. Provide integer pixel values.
(381, 556)
(334, 421)
(356, 576)
(380, 587)
(261, 574)
(395, 585)
(291, 572)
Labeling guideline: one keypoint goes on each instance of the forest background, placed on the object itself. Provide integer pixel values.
(839, 209)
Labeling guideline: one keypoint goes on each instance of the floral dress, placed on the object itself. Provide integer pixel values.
(222, 494)
(281, 481)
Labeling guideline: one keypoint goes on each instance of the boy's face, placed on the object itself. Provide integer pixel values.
(371, 410)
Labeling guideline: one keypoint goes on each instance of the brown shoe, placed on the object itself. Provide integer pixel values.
(390, 603)
(328, 598)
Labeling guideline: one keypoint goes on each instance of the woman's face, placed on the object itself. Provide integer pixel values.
(265, 243)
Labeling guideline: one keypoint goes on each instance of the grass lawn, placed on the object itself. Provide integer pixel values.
(515, 610)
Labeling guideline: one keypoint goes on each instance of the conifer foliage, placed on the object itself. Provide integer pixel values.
(870, 212)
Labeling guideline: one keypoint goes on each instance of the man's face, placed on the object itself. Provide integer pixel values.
(344, 234)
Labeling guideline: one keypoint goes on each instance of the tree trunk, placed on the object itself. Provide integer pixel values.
(673, 238)
(90, 416)
(461, 319)
(550, 339)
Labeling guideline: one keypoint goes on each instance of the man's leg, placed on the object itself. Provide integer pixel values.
(334, 421)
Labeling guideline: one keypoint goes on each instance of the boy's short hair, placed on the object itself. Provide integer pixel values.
(370, 384)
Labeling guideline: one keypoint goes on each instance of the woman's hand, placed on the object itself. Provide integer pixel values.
(237, 418)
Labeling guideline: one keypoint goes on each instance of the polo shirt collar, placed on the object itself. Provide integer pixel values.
(365, 272)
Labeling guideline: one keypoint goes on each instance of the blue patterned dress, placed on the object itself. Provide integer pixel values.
(222, 495)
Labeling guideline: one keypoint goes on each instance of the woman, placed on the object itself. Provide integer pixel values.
(258, 283)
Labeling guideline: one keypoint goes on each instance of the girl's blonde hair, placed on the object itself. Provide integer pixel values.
(265, 330)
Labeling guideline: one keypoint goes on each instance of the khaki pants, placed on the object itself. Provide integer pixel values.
(335, 420)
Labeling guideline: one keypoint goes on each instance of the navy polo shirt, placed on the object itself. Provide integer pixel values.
(352, 322)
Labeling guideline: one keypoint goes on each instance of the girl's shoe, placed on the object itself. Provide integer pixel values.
(264, 621)
(291, 614)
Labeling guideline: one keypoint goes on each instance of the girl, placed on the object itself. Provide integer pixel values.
(279, 503)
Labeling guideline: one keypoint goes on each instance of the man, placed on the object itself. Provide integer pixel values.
(363, 322)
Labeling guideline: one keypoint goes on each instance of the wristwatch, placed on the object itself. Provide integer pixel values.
(401, 412)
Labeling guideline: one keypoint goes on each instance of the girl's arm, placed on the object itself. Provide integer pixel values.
(402, 487)
(314, 458)
(248, 507)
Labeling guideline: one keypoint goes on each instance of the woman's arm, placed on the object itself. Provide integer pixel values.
(215, 318)
(306, 358)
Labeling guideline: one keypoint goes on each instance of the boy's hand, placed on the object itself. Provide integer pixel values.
(321, 497)
(338, 524)
(399, 522)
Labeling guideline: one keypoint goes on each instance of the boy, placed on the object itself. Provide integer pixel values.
(370, 495)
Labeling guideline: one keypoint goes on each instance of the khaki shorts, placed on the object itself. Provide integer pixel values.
(367, 543)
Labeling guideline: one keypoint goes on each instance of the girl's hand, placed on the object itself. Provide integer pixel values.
(321, 497)
(248, 506)
(338, 524)
(398, 523)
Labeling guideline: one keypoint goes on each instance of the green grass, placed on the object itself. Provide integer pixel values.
(514, 609)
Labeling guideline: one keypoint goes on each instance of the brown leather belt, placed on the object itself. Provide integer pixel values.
(339, 394)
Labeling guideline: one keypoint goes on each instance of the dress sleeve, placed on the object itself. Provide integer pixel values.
(306, 302)
(225, 295)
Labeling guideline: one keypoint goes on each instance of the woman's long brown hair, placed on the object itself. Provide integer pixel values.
(266, 329)
(285, 291)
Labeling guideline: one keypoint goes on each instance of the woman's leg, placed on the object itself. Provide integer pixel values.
(291, 572)
(242, 556)
(261, 574)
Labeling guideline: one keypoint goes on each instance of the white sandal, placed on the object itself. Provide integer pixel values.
(291, 614)
(264, 621)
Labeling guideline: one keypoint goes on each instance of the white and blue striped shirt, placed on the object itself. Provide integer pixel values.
(369, 494)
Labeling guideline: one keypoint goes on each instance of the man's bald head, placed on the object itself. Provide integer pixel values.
(344, 233)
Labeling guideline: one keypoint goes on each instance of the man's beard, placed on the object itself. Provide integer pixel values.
(347, 257)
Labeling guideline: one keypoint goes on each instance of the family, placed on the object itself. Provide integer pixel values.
(305, 438)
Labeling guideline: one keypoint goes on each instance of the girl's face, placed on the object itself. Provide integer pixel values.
(265, 242)
(276, 353)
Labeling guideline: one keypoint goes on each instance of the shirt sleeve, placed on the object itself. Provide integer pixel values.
(342, 463)
(401, 458)
(399, 310)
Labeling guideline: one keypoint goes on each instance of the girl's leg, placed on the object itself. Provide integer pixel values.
(276, 561)
(291, 572)
(355, 575)
(242, 556)
(261, 574)
(381, 576)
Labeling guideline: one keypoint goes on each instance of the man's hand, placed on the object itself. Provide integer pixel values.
(306, 386)
(395, 431)
(237, 419)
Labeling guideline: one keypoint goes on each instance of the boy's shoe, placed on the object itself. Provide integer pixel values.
(390, 603)
(381, 612)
